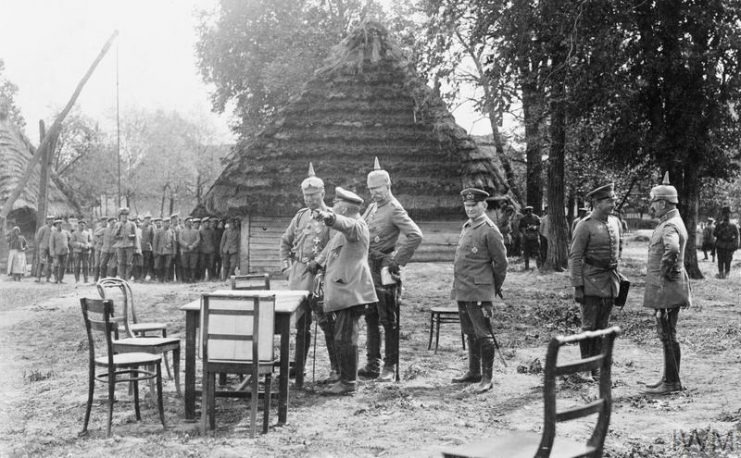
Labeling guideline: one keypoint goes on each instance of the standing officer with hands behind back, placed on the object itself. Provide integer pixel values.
(479, 270)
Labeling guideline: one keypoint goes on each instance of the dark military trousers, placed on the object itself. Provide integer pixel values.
(382, 313)
(346, 331)
(326, 322)
(207, 265)
(724, 262)
(595, 314)
(666, 325)
(147, 265)
(44, 265)
(531, 249)
(125, 257)
(106, 259)
(162, 264)
(81, 261)
(476, 325)
(229, 261)
(60, 265)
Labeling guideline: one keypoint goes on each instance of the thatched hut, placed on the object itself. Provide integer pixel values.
(15, 153)
(366, 102)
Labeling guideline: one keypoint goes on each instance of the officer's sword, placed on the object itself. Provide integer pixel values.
(494, 338)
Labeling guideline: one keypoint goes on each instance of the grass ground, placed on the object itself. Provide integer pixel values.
(43, 372)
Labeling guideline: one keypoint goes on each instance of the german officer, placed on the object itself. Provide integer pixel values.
(301, 243)
(479, 270)
(667, 282)
(124, 243)
(386, 219)
(726, 242)
(349, 284)
(59, 250)
(81, 243)
(593, 266)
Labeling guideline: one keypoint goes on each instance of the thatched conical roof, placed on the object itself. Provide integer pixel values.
(15, 153)
(366, 102)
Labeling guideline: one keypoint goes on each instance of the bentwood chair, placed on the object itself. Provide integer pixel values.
(135, 338)
(119, 368)
(524, 444)
(251, 281)
(237, 339)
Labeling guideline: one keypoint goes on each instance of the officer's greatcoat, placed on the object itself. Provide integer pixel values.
(348, 279)
(667, 282)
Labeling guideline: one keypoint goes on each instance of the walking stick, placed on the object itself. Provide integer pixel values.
(397, 300)
(313, 364)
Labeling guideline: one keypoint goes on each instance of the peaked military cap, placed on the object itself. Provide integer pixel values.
(378, 176)
(474, 195)
(583, 209)
(347, 196)
(174, 215)
(147, 216)
(58, 221)
(195, 220)
(664, 191)
(603, 192)
(312, 183)
(49, 217)
(528, 208)
(154, 220)
(111, 219)
(82, 221)
(123, 211)
(204, 219)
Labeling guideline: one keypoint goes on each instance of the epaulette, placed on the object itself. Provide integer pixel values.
(490, 223)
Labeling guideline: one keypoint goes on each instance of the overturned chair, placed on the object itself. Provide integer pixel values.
(527, 444)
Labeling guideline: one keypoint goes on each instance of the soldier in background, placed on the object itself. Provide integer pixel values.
(479, 270)
(229, 248)
(81, 242)
(529, 229)
(107, 262)
(207, 249)
(176, 271)
(726, 242)
(41, 242)
(708, 239)
(147, 238)
(188, 243)
(97, 235)
(303, 240)
(59, 250)
(580, 215)
(218, 233)
(593, 266)
(667, 282)
(124, 237)
(163, 248)
(386, 219)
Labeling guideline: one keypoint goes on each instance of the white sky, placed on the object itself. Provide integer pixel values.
(48, 45)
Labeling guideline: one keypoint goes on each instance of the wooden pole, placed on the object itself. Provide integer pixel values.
(44, 179)
(54, 130)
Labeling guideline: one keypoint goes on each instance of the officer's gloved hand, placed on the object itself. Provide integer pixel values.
(313, 267)
(394, 267)
(325, 216)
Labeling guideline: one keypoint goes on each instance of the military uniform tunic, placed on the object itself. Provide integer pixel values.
(594, 254)
(480, 265)
(302, 242)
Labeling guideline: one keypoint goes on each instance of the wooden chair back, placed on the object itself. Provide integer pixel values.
(601, 406)
(251, 281)
(238, 330)
(97, 314)
(127, 299)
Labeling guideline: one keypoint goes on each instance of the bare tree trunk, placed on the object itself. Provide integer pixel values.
(531, 107)
(689, 209)
(557, 257)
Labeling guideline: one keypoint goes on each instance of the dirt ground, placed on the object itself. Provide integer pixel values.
(43, 374)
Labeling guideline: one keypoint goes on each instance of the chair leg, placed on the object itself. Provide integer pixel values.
(432, 325)
(204, 402)
(111, 396)
(212, 400)
(463, 340)
(176, 369)
(437, 334)
(266, 406)
(160, 404)
(253, 403)
(90, 391)
(135, 385)
(167, 364)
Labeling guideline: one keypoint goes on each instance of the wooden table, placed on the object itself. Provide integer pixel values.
(290, 305)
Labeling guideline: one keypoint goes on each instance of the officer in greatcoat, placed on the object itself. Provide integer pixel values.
(529, 228)
(300, 245)
(593, 265)
(726, 242)
(386, 220)
(479, 270)
(667, 282)
(348, 282)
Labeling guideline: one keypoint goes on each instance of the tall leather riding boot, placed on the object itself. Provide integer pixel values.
(670, 382)
(474, 362)
(487, 367)
(372, 367)
(347, 357)
(332, 351)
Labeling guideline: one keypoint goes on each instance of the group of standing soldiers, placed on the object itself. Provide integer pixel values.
(136, 248)
(722, 239)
